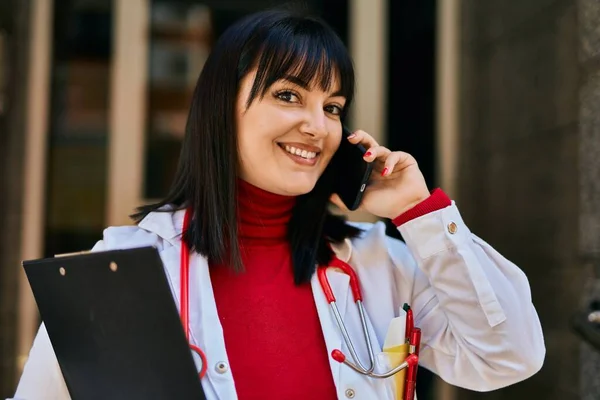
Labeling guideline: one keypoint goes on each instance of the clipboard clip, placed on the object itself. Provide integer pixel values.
(75, 253)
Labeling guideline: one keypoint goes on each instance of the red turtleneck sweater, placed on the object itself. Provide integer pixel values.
(272, 332)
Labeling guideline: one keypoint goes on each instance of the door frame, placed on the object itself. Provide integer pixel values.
(35, 162)
(127, 119)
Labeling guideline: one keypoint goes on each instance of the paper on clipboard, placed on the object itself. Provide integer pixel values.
(396, 333)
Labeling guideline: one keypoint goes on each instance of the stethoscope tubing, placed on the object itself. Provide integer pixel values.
(356, 364)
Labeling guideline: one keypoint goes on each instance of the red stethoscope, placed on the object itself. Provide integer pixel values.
(410, 361)
(184, 293)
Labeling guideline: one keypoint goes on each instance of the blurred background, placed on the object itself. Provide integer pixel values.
(499, 101)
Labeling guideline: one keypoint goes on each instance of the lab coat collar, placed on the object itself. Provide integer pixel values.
(166, 223)
(343, 250)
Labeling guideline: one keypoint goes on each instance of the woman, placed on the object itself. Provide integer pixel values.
(256, 174)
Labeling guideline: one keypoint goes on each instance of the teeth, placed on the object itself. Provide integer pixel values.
(299, 152)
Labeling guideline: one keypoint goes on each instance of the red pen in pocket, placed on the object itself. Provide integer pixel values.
(410, 323)
(411, 374)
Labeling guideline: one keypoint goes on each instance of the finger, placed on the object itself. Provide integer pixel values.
(377, 152)
(397, 161)
(390, 163)
(363, 138)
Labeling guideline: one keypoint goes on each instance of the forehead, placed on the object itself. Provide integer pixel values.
(310, 73)
(333, 89)
(313, 64)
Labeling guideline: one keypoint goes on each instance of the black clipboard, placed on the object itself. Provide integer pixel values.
(114, 325)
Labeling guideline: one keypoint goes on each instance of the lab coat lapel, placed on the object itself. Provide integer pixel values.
(339, 283)
(205, 327)
(203, 309)
(168, 226)
(206, 331)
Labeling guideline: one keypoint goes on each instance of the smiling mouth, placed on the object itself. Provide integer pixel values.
(307, 155)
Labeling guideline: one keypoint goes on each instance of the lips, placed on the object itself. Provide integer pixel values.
(309, 155)
(300, 153)
(301, 150)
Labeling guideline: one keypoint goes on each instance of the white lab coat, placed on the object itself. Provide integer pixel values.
(480, 329)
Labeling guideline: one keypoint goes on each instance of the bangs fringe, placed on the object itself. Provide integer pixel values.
(304, 51)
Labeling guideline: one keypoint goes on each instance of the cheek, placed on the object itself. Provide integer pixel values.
(331, 145)
(250, 129)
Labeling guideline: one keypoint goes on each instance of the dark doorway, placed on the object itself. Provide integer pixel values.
(411, 77)
(411, 100)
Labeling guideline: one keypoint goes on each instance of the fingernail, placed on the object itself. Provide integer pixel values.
(368, 154)
(384, 172)
(351, 136)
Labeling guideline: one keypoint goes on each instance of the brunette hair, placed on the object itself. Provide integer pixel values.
(279, 43)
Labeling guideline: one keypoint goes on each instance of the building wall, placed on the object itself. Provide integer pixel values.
(520, 185)
(589, 167)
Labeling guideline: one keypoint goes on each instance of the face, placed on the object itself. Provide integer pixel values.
(287, 138)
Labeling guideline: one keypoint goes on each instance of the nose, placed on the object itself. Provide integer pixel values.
(315, 124)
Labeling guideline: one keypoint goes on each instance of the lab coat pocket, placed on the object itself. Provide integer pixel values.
(395, 351)
(387, 386)
(391, 358)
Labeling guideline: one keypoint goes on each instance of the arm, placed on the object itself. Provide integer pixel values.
(480, 329)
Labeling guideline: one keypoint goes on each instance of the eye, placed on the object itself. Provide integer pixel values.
(334, 109)
(287, 96)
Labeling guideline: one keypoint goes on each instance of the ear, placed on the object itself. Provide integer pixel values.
(335, 199)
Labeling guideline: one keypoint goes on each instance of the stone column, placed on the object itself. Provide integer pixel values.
(519, 178)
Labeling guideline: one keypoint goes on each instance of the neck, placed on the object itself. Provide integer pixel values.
(262, 216)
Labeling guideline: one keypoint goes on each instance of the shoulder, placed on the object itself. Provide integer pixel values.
(127, 237)
(158, 229)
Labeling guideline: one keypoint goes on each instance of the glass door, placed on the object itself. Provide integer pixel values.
(78, 125)
(160, 49)
(181, 37)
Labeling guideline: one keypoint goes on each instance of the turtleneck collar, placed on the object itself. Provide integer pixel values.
(263, 216)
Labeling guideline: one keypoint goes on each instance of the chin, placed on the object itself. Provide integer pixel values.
(298, 187)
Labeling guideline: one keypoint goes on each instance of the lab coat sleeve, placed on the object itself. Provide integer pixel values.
(42, 378)
(480, 330)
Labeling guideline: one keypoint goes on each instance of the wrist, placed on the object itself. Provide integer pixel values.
(433, 202)
(412, 204)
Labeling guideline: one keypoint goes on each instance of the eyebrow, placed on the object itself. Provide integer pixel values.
(304, 85)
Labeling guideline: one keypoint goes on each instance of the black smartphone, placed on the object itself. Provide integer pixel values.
(353, 172)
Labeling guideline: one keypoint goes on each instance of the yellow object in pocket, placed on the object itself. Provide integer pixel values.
(396, 356)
